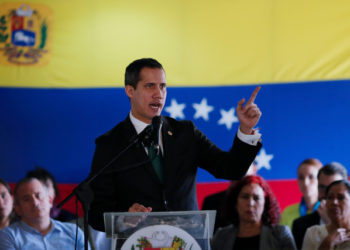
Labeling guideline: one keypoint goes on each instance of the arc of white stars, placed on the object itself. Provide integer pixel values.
(176, 109)
(202, 109)
(228, 118)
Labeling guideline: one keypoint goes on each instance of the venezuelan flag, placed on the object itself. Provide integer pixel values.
(62, 65)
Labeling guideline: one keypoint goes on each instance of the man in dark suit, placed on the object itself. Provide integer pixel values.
(136, 183)
(326, 175)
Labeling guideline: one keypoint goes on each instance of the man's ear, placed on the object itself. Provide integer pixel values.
(50, 200)
(129, 90)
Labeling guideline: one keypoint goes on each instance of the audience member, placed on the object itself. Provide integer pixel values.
(7, 215)
(216, 201)
(326, 175)
(254, 212)
(97, 239)
(49, 181)
(336, 234)
(307, 183)
(36, 230)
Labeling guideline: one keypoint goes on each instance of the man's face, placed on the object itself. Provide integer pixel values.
(324, 181)
(307, 180)
(148, 99)
(33, 202)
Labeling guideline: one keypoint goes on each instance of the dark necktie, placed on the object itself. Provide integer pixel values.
(156, 159)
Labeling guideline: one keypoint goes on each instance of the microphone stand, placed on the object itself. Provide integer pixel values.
(83, 191)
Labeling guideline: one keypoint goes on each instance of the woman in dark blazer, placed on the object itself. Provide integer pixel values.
(254, 213)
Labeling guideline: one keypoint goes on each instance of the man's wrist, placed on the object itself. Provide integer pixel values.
(251, 139)
(246, 130)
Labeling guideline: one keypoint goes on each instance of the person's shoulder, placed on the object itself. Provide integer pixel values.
(185, 127)
(216, 197)
(65, 216)
(281, 229)
(289, 214)
(291, 208)
(175, 123)
(317, 228)
(224, 230)
(312, 218)
(11, 230)
(281, 233)
(68, 227)
(117, 129)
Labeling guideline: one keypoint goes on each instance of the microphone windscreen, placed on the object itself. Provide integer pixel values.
(156, 121)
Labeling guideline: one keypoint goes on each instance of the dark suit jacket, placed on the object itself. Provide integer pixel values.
(217, 202)
(185, 148)
(301, 224)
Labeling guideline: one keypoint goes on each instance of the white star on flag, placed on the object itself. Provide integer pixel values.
(176, 110)
(202, 109)
(263, 160)
(227, 118)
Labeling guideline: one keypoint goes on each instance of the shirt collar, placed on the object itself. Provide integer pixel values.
(139, 125)
(28, 228)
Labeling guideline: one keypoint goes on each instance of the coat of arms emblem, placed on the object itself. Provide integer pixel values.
(25, 34)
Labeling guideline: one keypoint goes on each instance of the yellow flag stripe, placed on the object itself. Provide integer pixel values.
(199, 43)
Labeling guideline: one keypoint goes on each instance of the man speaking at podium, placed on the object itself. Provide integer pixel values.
(159, 173)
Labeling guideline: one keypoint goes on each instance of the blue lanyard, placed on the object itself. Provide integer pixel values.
(303, 207)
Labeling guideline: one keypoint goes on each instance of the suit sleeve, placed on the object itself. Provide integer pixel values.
(226, 165)
(103, 186)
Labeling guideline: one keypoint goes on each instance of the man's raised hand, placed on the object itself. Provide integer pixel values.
(250, 114)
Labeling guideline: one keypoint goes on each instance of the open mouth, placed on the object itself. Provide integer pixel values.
(155, 106)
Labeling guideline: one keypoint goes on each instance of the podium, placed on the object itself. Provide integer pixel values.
(160, 230)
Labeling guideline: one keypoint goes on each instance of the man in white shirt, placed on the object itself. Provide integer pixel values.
(36, 230)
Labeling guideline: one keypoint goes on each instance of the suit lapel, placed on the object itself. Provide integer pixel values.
(169, 149)
(137, 152)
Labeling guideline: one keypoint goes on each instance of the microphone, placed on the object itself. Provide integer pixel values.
(156, 123)
(146, 136)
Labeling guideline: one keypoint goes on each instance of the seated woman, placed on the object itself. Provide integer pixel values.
(254, 212)
(336, 234)
(7, 215)
(307, 183)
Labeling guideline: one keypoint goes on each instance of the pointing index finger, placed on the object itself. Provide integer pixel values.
(253, 96)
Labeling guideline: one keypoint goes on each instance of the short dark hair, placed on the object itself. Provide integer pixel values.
(271, 213)
(6, 185)
(332, 169)
(44, 175)
(345, 183)
(132, 72)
